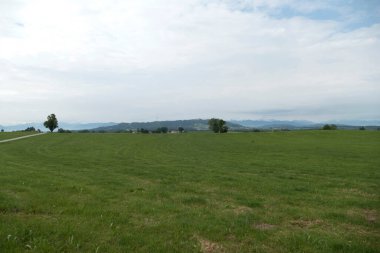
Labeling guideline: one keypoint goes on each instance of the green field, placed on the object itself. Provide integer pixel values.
(10, 135)
(302, 191)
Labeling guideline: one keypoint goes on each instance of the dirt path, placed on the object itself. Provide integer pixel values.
(22, 137)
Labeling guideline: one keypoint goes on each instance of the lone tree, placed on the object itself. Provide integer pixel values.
(217, 125)
(51, 122)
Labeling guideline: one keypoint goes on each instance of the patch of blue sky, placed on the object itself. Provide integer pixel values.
(365, 13)
(289, 12)
(354, 14)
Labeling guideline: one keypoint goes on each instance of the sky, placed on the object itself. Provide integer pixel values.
(147, 60)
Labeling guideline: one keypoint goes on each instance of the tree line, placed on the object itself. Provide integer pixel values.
(216, 125)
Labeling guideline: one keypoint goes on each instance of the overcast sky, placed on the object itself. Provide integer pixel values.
(144, 60)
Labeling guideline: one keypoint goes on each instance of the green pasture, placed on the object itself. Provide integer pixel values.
(298, 191)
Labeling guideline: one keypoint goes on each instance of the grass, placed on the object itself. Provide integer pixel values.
(305, 191)
(10, 135)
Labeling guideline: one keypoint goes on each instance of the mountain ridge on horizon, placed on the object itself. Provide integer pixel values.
(234, 124)
(64, 125)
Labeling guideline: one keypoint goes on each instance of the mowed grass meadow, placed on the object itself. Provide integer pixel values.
(298, 191)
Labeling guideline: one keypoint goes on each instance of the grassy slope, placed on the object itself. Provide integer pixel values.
(10, 135)
(312, 191)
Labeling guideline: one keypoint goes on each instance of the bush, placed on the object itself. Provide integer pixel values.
(61, 130)
(161, 130)
(30, 129)
(329, 127)
(143, 131)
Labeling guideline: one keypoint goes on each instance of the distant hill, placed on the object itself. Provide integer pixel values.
(188, 125)
(82, 126)
(302, 124)
(273, 123)
(357, 122)
(20, 127)
(68, 126)
(201, 124)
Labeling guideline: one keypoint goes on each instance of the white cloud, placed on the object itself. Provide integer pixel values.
(143, 60)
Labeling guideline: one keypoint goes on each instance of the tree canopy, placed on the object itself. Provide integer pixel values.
(217, 125)
(51, 123)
